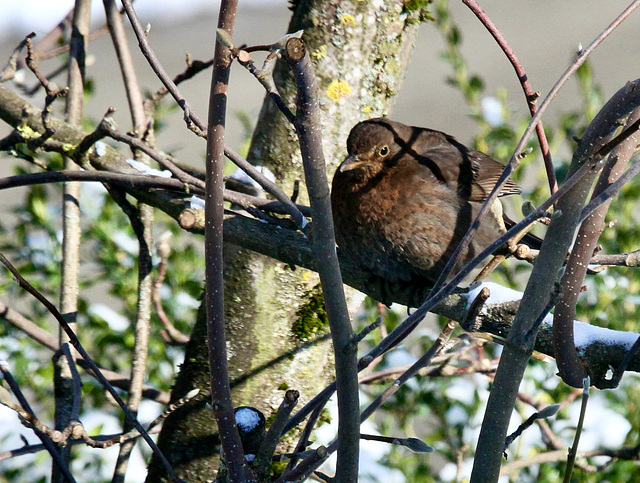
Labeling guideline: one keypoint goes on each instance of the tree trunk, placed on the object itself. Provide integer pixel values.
(275, 316)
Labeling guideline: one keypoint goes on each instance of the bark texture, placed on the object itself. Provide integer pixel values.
(275, 315)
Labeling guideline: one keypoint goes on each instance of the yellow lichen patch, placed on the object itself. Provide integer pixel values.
(337, 89)
(320, 53)
(26, 132)
(348, 20)
(367, 110)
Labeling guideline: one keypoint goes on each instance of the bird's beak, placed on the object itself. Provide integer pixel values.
(351, 162)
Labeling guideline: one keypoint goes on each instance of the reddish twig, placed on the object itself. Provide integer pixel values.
(543, 278)
(530, 95)
(514, 160)
(170, 333)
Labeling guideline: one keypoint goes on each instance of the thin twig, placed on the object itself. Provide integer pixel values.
(312, 461)
(303, 440)
(514, 360)
(142, 224)
(402, 331)
(130, 181)
(262, 461)
(51, 89)
(142, 229)
(50, 341)
(193, 121)
(263, 75)
(191, 118)
(514, 160)
(573, 450)
(71, 216)
(193, 67)
(106, 441)
(269, 186)
(170, 333)
(10, 69)
(306, 466)
(161, 158)
(140, 181)
(53, 450)
(530, 95)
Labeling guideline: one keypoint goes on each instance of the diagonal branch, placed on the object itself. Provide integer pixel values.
(599, 133)
(541, 282)
(524, 82)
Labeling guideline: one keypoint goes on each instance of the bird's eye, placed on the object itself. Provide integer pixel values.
(383, 151)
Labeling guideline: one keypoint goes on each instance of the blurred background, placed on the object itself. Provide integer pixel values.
(545, 35)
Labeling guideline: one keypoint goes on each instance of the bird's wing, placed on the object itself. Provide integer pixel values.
(471, 172)
(487, 171)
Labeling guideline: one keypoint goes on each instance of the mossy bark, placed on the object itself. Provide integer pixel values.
(361, 52)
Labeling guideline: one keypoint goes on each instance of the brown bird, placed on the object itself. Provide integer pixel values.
(405, 196)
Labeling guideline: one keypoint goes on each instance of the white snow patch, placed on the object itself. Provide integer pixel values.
(499, 294)
(492, 111)
(116, 321)
(585, 334)
(144, 169)
(243, 177)
(196, 203)
(603, 427)
(101, 148)
(126, 242)
(371, 452)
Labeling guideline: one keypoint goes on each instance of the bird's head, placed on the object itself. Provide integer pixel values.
(371, 147)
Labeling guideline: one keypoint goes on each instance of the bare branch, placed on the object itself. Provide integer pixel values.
(40, 430)
(75, 342)
(213, 242)
(309, 130)
(514, 360)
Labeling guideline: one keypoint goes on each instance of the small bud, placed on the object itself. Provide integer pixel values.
(548, 411)
(224, 38)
